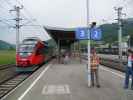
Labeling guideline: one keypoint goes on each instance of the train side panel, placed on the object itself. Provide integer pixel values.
(39, 54)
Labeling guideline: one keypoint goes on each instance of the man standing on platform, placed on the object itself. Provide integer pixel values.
(129, 70)
(94, 68)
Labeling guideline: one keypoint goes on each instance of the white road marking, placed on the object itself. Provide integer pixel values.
(67, 89)
(122, 76)
(14, 90)
(34, 82)
(55, 89)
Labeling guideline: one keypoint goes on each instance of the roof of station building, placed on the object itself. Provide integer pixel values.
(65, 35)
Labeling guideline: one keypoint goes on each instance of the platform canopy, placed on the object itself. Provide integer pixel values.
(62, 36)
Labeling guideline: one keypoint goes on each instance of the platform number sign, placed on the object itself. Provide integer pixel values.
(96, 33)
(81, 33)
(86, 33)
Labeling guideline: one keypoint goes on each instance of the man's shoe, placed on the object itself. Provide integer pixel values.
(125, 87)
(98, 86)
(131, 88)
(92, 85)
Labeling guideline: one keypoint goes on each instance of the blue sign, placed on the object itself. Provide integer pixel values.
(96, 33)
(82, 33)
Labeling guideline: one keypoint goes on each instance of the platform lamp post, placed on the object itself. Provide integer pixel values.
(88, 25)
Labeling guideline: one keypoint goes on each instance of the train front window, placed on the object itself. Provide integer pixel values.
(30, 42)
(26, 48)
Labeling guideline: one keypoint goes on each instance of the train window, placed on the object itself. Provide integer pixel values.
(38, 52)
(46, 50)
(30, 42)
(26, 48)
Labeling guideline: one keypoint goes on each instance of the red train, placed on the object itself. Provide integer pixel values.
(32, 52)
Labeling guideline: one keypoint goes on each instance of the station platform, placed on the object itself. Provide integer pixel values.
(69, 82)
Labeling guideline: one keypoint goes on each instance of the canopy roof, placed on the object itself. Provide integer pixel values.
(65, 35)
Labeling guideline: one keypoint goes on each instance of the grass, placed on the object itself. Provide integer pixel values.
(7, 57)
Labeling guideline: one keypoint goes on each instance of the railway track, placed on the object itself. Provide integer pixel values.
(110, 62)
(113, 63)
(13, 81)
(3, 67)
(7, 72)
(9, 79)
(8, 85)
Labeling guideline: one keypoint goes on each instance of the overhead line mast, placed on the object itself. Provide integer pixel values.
(17, 26)
(119, 14)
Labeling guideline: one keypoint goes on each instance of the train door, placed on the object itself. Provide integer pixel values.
(46, 53)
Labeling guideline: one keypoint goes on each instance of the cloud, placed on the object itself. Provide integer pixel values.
(64, 13)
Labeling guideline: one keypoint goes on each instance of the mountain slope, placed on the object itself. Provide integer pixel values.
(6, 46)
(110, 31)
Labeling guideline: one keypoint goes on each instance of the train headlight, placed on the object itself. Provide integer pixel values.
(29, 54)
(20, 54)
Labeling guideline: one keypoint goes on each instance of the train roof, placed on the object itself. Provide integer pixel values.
(35, 38)
(31, 39)
(27, 43)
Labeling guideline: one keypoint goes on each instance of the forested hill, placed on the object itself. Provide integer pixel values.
(6, 46)
(110, 31)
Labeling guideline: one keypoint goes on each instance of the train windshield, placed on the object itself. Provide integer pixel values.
(26, 48)
(30, 41)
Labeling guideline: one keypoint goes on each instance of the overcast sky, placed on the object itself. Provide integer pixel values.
(61, 13)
